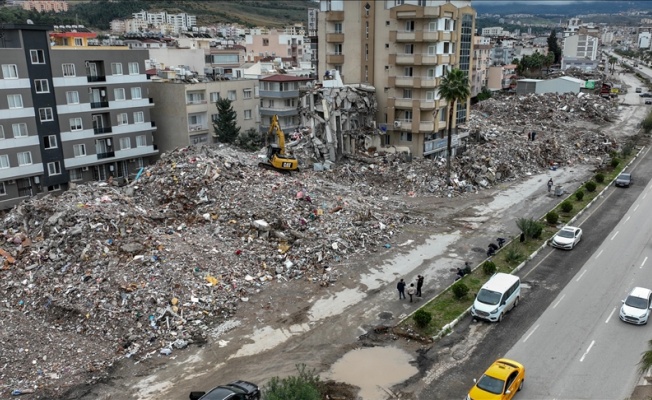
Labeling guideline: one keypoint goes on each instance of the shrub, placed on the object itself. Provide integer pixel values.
(614, 162)
(627, 149)
(422, 318)
(460, 289)
(552, 217)
(489, 267)
(590, 186)
(513, 255)
(579, 195)
(599, 177)
(530, 227)
(538, 229)
(566, 206)
(302, 387)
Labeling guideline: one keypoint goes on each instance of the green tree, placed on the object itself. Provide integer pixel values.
(225, 126)
(553, 46)
(454, 88)
(613, 60)
(251, 140)
(305, 386)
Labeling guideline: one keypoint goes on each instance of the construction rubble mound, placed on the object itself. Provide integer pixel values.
(102, 272)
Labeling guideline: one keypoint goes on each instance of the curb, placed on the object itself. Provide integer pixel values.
(448, 328)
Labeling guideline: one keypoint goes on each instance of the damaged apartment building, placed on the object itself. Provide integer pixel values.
(402, 48)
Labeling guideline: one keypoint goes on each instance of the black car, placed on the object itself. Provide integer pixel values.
(236, 390)
(647, 94)
(624, 180)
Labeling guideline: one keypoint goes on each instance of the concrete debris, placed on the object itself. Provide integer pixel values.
(102, 273)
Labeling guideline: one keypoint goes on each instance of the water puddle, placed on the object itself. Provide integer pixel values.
(373, 369)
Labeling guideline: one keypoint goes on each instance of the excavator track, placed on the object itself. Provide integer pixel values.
(272, 168)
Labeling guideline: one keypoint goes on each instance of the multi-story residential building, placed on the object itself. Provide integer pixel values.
(501, 77)
(402, 48)
(185, 111)
(276, 44)
(179, 22)
(644, 40)
(501, 54)
(481, 63)
(279, 95)
(313, 14)
(493, 31)
(45, 5)
(69, 113)
(580, 46)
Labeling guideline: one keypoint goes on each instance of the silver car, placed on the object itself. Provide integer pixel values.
(567, 238)
(636, 307)
(624, 180)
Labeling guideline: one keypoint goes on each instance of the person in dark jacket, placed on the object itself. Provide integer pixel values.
(419, 284)
(401, 289)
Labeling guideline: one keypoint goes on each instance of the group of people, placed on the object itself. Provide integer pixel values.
(411, 290)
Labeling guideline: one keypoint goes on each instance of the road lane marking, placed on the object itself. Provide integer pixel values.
(587, 350)
(614, 236)
(580, 277)
(636, 208)
(609, 317)
(559, 301)
(530, 334)
(627, 219)
(599, 253)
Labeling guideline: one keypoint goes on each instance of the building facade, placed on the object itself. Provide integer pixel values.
(69, 113)
(402, 48)
(280, 95)
(481, 64)
(580, 46)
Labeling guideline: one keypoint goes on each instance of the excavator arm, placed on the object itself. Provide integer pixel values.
(275, 128)
(276, 157)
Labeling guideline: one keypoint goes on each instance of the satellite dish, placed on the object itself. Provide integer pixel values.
(30, 22)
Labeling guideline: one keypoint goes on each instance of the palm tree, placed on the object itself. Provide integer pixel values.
(454, 88)
(646, 359)
(613, 60)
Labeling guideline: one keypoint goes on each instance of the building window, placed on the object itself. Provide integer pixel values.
(338, 27)
(125, 143)
(119, 94)
(54, 188)
(136, 93)
(54, 168)
(408, 71)
(69, 70)
(409, 49)
(37, 56)
(366, 30)
(19, 129)
(247, 114)
(430, 95)
(215, 96)
(141, 141)
(2, 132)
(79, 42)
(406, 136)
(15, 101)
(337, 49)
(9, 71)
(409, 26)
(116, 68)
(45, 114)
(214, 117)
(442, 114)
(25, 158)
(139, 117)
(41, 86)
(79, 150)
(432, 50)
(122, 119)
(72, 97)
(76, 124)
(265, 42)
(231, 95)
(247, 93)
(3, 190)
(4, 161)
(407, 93)
(76, 174)
(50, 142)
(133, 68)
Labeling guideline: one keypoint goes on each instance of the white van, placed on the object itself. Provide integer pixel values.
(498, 295)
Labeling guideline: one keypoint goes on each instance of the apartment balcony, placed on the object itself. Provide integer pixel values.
(404, 36)
(334, 16)
(335, 37)
(108, 154)
(100, 104)
(274, 94)
(429, 59)
(426, 126)
(427, 104)
(430, 36)
(281, 112)
(406, 59)
(433, 146)
(403, 103)
(96, 78)
(403, 81)
(191, 102)
(334, 58)
(197, 128)
(99, 131)
(429, 82)
(445, 59)
(445, 36)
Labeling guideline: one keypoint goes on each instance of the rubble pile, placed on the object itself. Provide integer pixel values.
(105, 272)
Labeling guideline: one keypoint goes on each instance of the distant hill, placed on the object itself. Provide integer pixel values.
(565, 9)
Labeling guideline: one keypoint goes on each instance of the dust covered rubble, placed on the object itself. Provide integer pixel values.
(102, 272)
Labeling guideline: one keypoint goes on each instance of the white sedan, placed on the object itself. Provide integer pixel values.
(567, 238)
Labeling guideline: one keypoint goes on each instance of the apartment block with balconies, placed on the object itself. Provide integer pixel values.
(279, 95)
(403, 48)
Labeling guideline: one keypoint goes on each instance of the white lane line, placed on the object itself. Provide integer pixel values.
(587, 350)
(636, 208)
(580, 277)
(644, 195)
(530, 334)
(615, 234)
(643, 263)
(627, 219)
(599, 253)
(610, 314)
(559, 301)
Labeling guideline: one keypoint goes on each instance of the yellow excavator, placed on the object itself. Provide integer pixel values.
(276, 157)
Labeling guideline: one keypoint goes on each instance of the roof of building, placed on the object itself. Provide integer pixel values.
(530, 80)
(571, 79)
(285, 78)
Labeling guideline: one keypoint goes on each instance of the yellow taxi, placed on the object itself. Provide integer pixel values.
(500, 381)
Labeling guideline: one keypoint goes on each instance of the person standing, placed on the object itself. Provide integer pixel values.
(419, 284)
(411, 291)
(550, 185)
(401, 289)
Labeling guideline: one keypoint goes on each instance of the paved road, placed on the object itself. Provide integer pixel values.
(473, 346)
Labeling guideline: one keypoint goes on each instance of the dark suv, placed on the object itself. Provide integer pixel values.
(237, 390)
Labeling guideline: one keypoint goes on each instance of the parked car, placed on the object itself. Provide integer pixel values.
(500, 381)
(567, 238)
(624, 180)
(648, 101)
(636, 307)
(638, 89)
(646, 94)
(236, 390)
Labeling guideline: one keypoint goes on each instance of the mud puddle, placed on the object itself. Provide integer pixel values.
(373, 369)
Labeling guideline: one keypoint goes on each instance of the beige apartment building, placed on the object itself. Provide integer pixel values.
(402, 48)
(481, 64)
